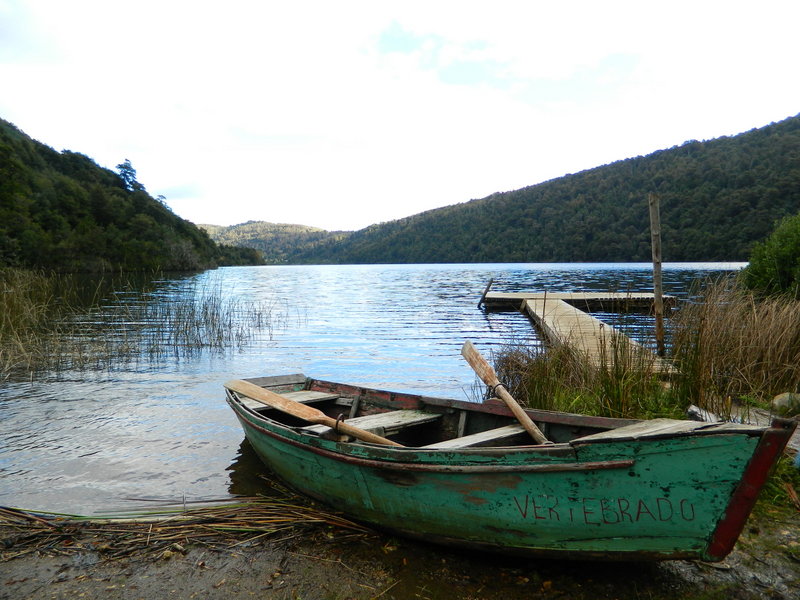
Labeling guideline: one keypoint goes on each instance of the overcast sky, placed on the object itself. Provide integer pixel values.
(344, 114)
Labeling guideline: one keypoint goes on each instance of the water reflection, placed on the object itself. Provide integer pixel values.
(158, 428)
(247, 473)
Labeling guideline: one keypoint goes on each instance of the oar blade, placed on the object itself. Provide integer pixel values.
(485, 371)
(302, 411)
(276, 401)
(479, 364)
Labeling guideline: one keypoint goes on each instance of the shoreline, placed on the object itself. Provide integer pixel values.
(326, 561)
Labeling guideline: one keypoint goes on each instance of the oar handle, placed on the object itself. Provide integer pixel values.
(361, 434)
(485, 371)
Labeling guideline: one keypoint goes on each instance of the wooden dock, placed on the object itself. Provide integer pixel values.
(561, 321)
(594, 301)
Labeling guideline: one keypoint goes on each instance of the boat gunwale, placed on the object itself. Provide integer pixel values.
(491, 406)
(497, 407)
(392, 459)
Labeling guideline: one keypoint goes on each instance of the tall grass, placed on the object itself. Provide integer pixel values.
(196, 320)
(624, 382)
(728, 348)
(48, 322)
(32, 307)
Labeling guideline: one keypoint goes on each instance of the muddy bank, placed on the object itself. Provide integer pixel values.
(328, 563)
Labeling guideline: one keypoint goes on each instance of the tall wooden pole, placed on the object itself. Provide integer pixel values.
(653, 201)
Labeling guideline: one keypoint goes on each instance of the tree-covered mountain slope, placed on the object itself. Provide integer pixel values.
(60, 210)
(718, 198)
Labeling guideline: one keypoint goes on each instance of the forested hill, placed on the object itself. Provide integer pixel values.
(277, 242)
(60, 210)
(717, 198)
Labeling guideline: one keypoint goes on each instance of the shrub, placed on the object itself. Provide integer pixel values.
(775, 263)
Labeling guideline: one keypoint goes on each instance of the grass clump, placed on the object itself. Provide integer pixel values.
(624, 384)
(33, 306)
(731, 347)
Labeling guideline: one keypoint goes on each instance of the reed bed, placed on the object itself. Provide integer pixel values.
(32, 306)
(732, 347)
(47, 322)
(140, 325)
(163, 534)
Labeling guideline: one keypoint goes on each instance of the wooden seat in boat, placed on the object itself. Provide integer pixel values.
(482, 438)
(383, 423)
(303, 396)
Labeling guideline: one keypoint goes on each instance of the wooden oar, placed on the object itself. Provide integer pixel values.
(489, 377)
(303, 411)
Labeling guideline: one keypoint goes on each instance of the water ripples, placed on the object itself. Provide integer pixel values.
(158, 427)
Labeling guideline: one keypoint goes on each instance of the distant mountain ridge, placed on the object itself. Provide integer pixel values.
(718, 198)
(277, 242)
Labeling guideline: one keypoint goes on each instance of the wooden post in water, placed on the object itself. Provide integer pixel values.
(653, 201)
(485, 291)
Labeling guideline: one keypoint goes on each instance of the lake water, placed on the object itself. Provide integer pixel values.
(158, 430)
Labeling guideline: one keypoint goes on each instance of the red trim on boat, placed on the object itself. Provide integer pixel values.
(744, 497)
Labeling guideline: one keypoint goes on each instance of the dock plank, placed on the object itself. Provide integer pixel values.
(599, 301)
(561, 322)
(561, 318)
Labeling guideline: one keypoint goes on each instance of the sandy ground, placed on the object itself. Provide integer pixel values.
(331, 564)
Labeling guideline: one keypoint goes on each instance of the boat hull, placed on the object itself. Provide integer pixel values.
(653, 498)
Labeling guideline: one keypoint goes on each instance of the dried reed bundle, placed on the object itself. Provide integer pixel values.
(162, 534)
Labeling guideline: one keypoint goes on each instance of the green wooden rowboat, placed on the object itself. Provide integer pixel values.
(467, 474)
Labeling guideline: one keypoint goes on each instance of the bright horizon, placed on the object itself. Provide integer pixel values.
(342, 115)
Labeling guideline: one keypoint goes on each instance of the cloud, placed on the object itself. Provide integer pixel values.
(343, 114)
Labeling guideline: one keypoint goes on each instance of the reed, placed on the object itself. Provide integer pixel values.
(623, 383)
(629, 381)
(32, 307)
(49, 322)
(200, 319)
(731, 348)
